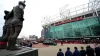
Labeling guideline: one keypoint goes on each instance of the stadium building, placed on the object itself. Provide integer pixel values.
(76, 23)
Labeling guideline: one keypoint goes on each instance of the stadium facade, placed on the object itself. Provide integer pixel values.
(79, 25)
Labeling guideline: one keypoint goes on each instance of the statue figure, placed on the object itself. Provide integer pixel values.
(13, 25)
(5, 25)
(8, 26)
(6, 32)
(16, 25)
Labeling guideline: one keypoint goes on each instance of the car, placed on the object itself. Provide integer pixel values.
(35, 42)
(49, 42)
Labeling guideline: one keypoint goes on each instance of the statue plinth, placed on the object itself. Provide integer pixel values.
(25, 51)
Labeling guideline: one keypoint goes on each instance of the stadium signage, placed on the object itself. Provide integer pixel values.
(68, 20)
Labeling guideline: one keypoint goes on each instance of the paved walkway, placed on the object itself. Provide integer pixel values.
(52, 50)
(40, 45)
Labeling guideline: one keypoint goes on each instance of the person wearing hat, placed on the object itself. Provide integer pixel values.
(17, 24)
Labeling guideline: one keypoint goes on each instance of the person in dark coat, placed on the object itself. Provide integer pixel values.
(82, 51)
(89, 51)
(97, 51)
(68, 52)
(60, 53)
(76, 52)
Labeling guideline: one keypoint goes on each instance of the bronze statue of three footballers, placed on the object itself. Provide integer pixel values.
(12, 27)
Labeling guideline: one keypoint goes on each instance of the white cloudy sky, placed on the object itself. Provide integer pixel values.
(35, 11)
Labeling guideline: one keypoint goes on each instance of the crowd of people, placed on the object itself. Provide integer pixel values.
(89, 51)
(87, 41)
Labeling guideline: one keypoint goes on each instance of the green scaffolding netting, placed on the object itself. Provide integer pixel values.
(87, 27)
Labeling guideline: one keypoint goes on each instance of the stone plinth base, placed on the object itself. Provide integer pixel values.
(25, 51)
